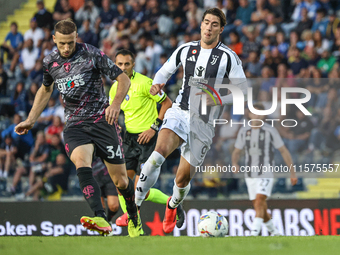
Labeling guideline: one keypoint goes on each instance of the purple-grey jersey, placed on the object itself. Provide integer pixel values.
(79, 81)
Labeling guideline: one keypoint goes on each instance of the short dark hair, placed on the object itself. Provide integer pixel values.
(14, 24)
(125, 52)
(65, 27)
(216, 12)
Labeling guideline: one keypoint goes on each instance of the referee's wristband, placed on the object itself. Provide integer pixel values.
(156, 125)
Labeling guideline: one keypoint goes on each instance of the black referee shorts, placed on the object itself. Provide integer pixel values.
(137, 154)
(105, 138)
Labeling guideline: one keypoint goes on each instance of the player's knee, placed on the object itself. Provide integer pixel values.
(122, 183)
(82, 162)
(113, 207)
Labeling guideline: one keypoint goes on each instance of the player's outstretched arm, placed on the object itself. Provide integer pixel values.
(112, 112)
(39, 104)
(289, 162)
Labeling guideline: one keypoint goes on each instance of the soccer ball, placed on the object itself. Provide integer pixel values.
(212, 224)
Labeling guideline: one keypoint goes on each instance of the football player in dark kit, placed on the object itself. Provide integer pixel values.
(91, 123)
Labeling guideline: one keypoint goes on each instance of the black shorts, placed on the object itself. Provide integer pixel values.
(137, 154)
(105, 138)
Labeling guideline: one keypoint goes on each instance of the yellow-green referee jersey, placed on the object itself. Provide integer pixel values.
(139, 106)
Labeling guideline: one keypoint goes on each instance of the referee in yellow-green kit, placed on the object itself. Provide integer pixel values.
(142, 122)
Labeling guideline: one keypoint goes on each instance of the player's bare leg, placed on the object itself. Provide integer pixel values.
(262, 216)
(180, 191)
(267, 220)
(125, 187)
(113, 206)
(82, 159)
(167, 142)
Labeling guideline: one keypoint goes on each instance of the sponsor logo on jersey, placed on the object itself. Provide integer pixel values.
(200, 71)
(67, 67)
(55, 64)
(192, 59)
(70, 82)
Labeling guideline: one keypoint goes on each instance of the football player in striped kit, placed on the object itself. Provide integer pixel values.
(259, 142)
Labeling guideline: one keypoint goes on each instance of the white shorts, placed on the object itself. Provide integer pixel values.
(262, 186)
(196, 134)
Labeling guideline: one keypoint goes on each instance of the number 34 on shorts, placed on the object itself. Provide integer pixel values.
(118, 153)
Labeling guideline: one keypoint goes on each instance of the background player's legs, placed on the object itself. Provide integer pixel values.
(262, 216)
(124, 185)
(167, 142)
(113, 206)
(82, 158)
(154, 195)
(260, 206)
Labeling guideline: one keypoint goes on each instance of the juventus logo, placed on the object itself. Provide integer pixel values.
(214, 59)
(139, 189)
(143, 177)
(199, 71)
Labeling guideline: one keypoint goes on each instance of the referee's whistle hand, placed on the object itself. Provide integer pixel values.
(112, 114)
(156, 88)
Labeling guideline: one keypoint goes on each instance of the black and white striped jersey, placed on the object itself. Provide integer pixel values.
(259, 146)
(209, 66)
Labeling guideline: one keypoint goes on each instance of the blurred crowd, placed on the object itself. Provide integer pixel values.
(277, 40)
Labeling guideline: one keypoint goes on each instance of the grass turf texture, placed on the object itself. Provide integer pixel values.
(169, 245)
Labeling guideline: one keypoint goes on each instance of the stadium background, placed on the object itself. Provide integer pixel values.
(274, 39)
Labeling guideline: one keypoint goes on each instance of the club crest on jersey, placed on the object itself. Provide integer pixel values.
(67, 67)
(214, 59)
(199, 71)
(127, 97)
(194, 52)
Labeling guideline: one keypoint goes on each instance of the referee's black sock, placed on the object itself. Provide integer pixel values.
(91, 190)
(129, 196)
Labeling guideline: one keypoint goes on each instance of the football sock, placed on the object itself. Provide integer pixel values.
(91, 190)
(149, 176)
(178, 195)
(270, 226)
(110, 215)
(129, 196)
(5, 174)
(157, 196)
(122, 203)
(256, 227)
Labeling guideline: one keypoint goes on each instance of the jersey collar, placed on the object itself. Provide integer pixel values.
(133, 74)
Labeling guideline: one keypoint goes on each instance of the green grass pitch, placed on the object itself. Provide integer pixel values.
(169, 245)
